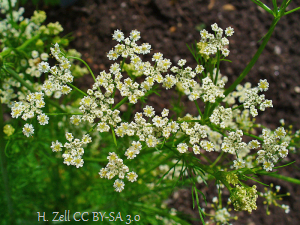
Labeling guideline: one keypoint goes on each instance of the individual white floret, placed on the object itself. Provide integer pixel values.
(75, 119)
(78, 162)
(229, 31)
(44, 67)
(214, 27)
(280, 132)
(286, 208)
(118, 35)
(196, 149)
(199, 69)
(164, 64)
(169, 81)
(132, 176)
(166, 132)
(181, 62)
(86, 139)
(204, 34)
(34, 54)
(263, 85)
(112, 55)
(238, 163)
(43, 119)
(56, 146)
(254, 144)
(28, 130)
(151, 141)
(157, 57)
(149, 111)
(182, 147)
(165, 113)
(145, 48)
(268, 165)
(119, 185)
(225, 52)
(159, 121)
(44, 56)
(207, 145)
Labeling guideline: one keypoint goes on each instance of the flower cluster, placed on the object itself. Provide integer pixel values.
(272, 150)
(244, 198)
(239, 94)
(4, 5)
(221, 116)
(210, 44)
(220, 129)
(233, 142)
(133, 150)
(115, 167)
(8, 130)
(34, 62)
(74, 151)
(33, 104)
(253, 99)
(222, 216)
(7, 92)
(271, 198)
(60, 75)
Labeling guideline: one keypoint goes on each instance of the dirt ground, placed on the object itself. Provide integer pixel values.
(168, 25)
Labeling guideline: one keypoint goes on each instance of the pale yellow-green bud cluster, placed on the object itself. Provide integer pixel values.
(244, 198)
(8, 130)
(38, 17)
(232, 178)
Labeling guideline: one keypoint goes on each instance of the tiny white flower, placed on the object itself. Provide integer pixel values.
(119, 185)
(35, 54)
(182, 147)
(44, 67)
(229, 31)
(132, 176)
(28, 130)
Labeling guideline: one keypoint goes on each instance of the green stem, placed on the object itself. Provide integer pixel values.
(120, 103)
(113, 134)
(237, 107)
(19, 79)
(260, 4)
(161, 162)
(207, 108)
(198, 108)
(254, 59)
(72, 57)
(77, 89)
(291, 11)
(122, 64)
(289, 179)
(275, 9)
(218, 66)
(250, 64)
(254, 136)
(217, 160)
(62, 114)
